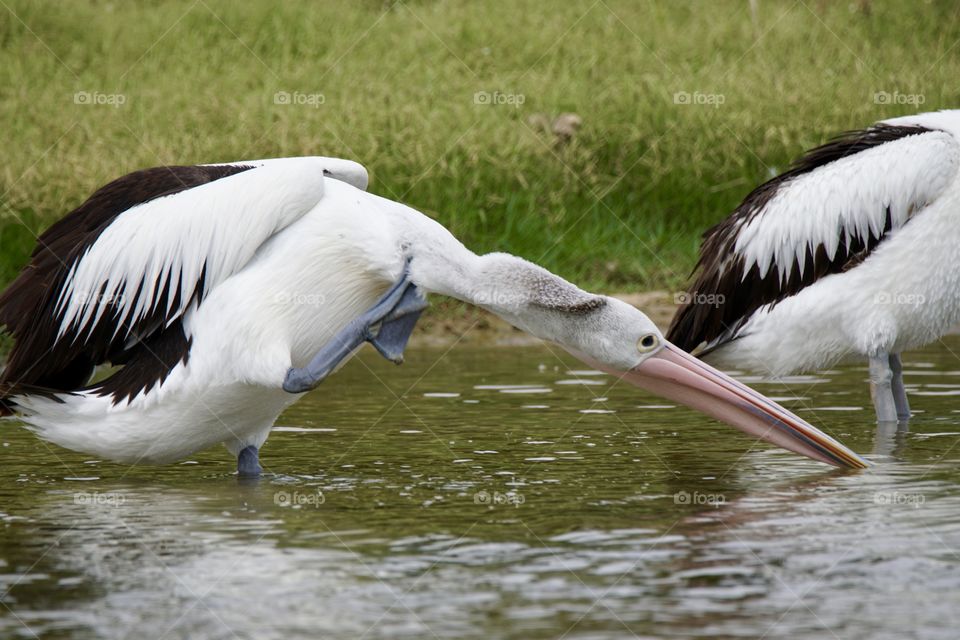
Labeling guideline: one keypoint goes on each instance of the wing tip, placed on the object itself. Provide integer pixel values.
(353, 173)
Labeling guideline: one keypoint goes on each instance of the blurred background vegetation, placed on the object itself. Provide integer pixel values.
(683, 106)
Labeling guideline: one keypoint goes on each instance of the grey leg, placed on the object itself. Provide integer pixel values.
(248, 463)
(899, 391)
(881, 390)
(387, 326)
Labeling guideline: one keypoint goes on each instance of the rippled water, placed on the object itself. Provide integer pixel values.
(501, 493)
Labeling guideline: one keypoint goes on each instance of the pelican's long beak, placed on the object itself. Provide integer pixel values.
(676, 375)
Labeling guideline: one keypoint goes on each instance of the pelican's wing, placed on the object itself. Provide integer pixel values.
(347, 171)
(115, 276)
(823, 216)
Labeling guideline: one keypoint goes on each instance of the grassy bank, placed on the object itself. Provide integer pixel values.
(90, 90)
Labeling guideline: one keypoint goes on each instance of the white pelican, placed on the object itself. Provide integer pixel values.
(852, 253)
(226, 291)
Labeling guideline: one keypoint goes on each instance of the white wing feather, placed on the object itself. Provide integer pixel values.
(213, 229)
(352, 173)
(851, 194)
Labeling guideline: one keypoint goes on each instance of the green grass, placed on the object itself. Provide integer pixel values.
(620, 207)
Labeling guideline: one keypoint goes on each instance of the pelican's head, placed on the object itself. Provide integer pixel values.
(619, 339)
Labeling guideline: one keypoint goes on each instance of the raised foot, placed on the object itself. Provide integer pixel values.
(387, 325)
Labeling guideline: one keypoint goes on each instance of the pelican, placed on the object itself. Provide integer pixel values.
(224, 292)
(850, 254)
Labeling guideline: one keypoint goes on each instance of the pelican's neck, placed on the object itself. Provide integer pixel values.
(522, 293)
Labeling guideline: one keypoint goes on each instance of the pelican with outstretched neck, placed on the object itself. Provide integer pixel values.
(224, 292)
(850, 254)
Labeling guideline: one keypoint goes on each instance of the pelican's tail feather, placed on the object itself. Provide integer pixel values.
(87, 423)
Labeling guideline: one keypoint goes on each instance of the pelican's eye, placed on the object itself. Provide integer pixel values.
(647, 343)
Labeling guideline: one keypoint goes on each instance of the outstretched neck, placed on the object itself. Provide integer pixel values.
(527, 296)
(524, 294)
(506, 285)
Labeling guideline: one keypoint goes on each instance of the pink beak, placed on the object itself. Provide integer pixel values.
(673, 374)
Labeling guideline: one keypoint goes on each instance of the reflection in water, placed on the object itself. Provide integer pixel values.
(504, 494)
(891, 439)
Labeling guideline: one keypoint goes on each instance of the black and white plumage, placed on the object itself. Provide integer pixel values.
(225, 291)
(852, 252)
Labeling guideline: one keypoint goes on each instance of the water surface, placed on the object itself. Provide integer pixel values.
(503, 493)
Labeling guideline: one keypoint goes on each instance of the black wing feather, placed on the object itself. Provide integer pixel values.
(41, 361)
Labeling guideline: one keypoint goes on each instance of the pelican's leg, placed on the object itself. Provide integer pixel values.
(387, 326)
(899, 391)
(248, 462)
(881, 389)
